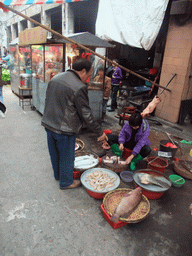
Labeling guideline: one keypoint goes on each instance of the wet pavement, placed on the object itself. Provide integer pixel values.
(37, 218)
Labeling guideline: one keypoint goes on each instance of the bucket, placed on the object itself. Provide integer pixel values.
(157, 163)
(126, 153)
(167, 149)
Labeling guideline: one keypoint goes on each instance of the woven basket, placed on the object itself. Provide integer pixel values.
(114, 167)
(183, 168)
(113, 198)
(81, 146)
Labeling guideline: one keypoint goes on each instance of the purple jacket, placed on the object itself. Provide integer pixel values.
(118, 76)
(141, 137)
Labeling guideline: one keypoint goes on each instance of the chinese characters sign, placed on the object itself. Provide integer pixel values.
(35, 35)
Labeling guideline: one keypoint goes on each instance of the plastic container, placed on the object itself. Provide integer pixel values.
(167, 149)
(76, 174)
(95, 194)
(173, 178)
(108, 217)
(190, 153)
(157, 163)
(126, 153)
(107, 131)
(126, 176)
(151, 195)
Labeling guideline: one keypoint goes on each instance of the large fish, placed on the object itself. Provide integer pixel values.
(127, 205)
(148, 179)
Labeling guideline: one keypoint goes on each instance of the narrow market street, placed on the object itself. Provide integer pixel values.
(37, 218)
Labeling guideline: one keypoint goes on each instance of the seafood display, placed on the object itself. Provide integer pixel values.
(147, 179)
(100, 180)
(127, 205)
(85, 162)
(113, 160)
(113, 199)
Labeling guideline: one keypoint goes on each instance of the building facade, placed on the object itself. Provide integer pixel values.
(173, 47)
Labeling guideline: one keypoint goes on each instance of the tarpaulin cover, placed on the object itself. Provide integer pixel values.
(135, 23)
(24, 2)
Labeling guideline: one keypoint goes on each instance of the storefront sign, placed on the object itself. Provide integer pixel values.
(36, 35)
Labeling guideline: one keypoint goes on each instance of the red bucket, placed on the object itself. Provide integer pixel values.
(126, 153)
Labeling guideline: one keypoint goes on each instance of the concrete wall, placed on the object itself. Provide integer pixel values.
(177, 59)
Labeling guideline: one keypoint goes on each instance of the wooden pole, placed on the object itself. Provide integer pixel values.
(80, 45)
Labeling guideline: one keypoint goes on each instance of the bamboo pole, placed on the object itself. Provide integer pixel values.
(80, 45)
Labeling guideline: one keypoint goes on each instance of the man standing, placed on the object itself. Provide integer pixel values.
(116, 78)
(106, 88)
(66, 108)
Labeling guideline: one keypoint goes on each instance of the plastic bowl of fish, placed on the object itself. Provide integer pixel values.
(153, 183)
(177, 180)
(99, 181)
(85, 161)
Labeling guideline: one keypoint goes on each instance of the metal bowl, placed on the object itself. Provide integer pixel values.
(152, 191)
(95, 156)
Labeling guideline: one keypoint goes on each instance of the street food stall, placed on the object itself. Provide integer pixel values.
(38, 58)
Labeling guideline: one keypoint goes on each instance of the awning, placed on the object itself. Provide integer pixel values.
(24, 2)
(87, 39)
(135, 23)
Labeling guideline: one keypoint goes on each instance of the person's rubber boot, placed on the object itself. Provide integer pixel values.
(135, 161)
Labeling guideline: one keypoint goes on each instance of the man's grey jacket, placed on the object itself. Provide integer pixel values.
(67, 105)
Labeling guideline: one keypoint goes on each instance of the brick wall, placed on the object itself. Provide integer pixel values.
(177, 60)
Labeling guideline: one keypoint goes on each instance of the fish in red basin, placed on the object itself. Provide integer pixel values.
(127, 205)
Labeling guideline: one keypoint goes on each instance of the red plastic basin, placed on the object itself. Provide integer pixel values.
(96, 195)
(149, 194)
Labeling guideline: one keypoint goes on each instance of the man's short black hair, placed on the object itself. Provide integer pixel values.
(135, 119)
(100, 68)
(81, 64)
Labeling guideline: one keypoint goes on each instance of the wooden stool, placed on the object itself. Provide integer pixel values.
(126, 114)
(25, 98)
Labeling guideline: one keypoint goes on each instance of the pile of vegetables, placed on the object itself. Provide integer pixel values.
(5, 75)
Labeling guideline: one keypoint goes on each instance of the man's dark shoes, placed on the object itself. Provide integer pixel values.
(75, 184)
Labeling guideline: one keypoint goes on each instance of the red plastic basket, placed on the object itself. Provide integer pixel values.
(76, 174)
(108, 217)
